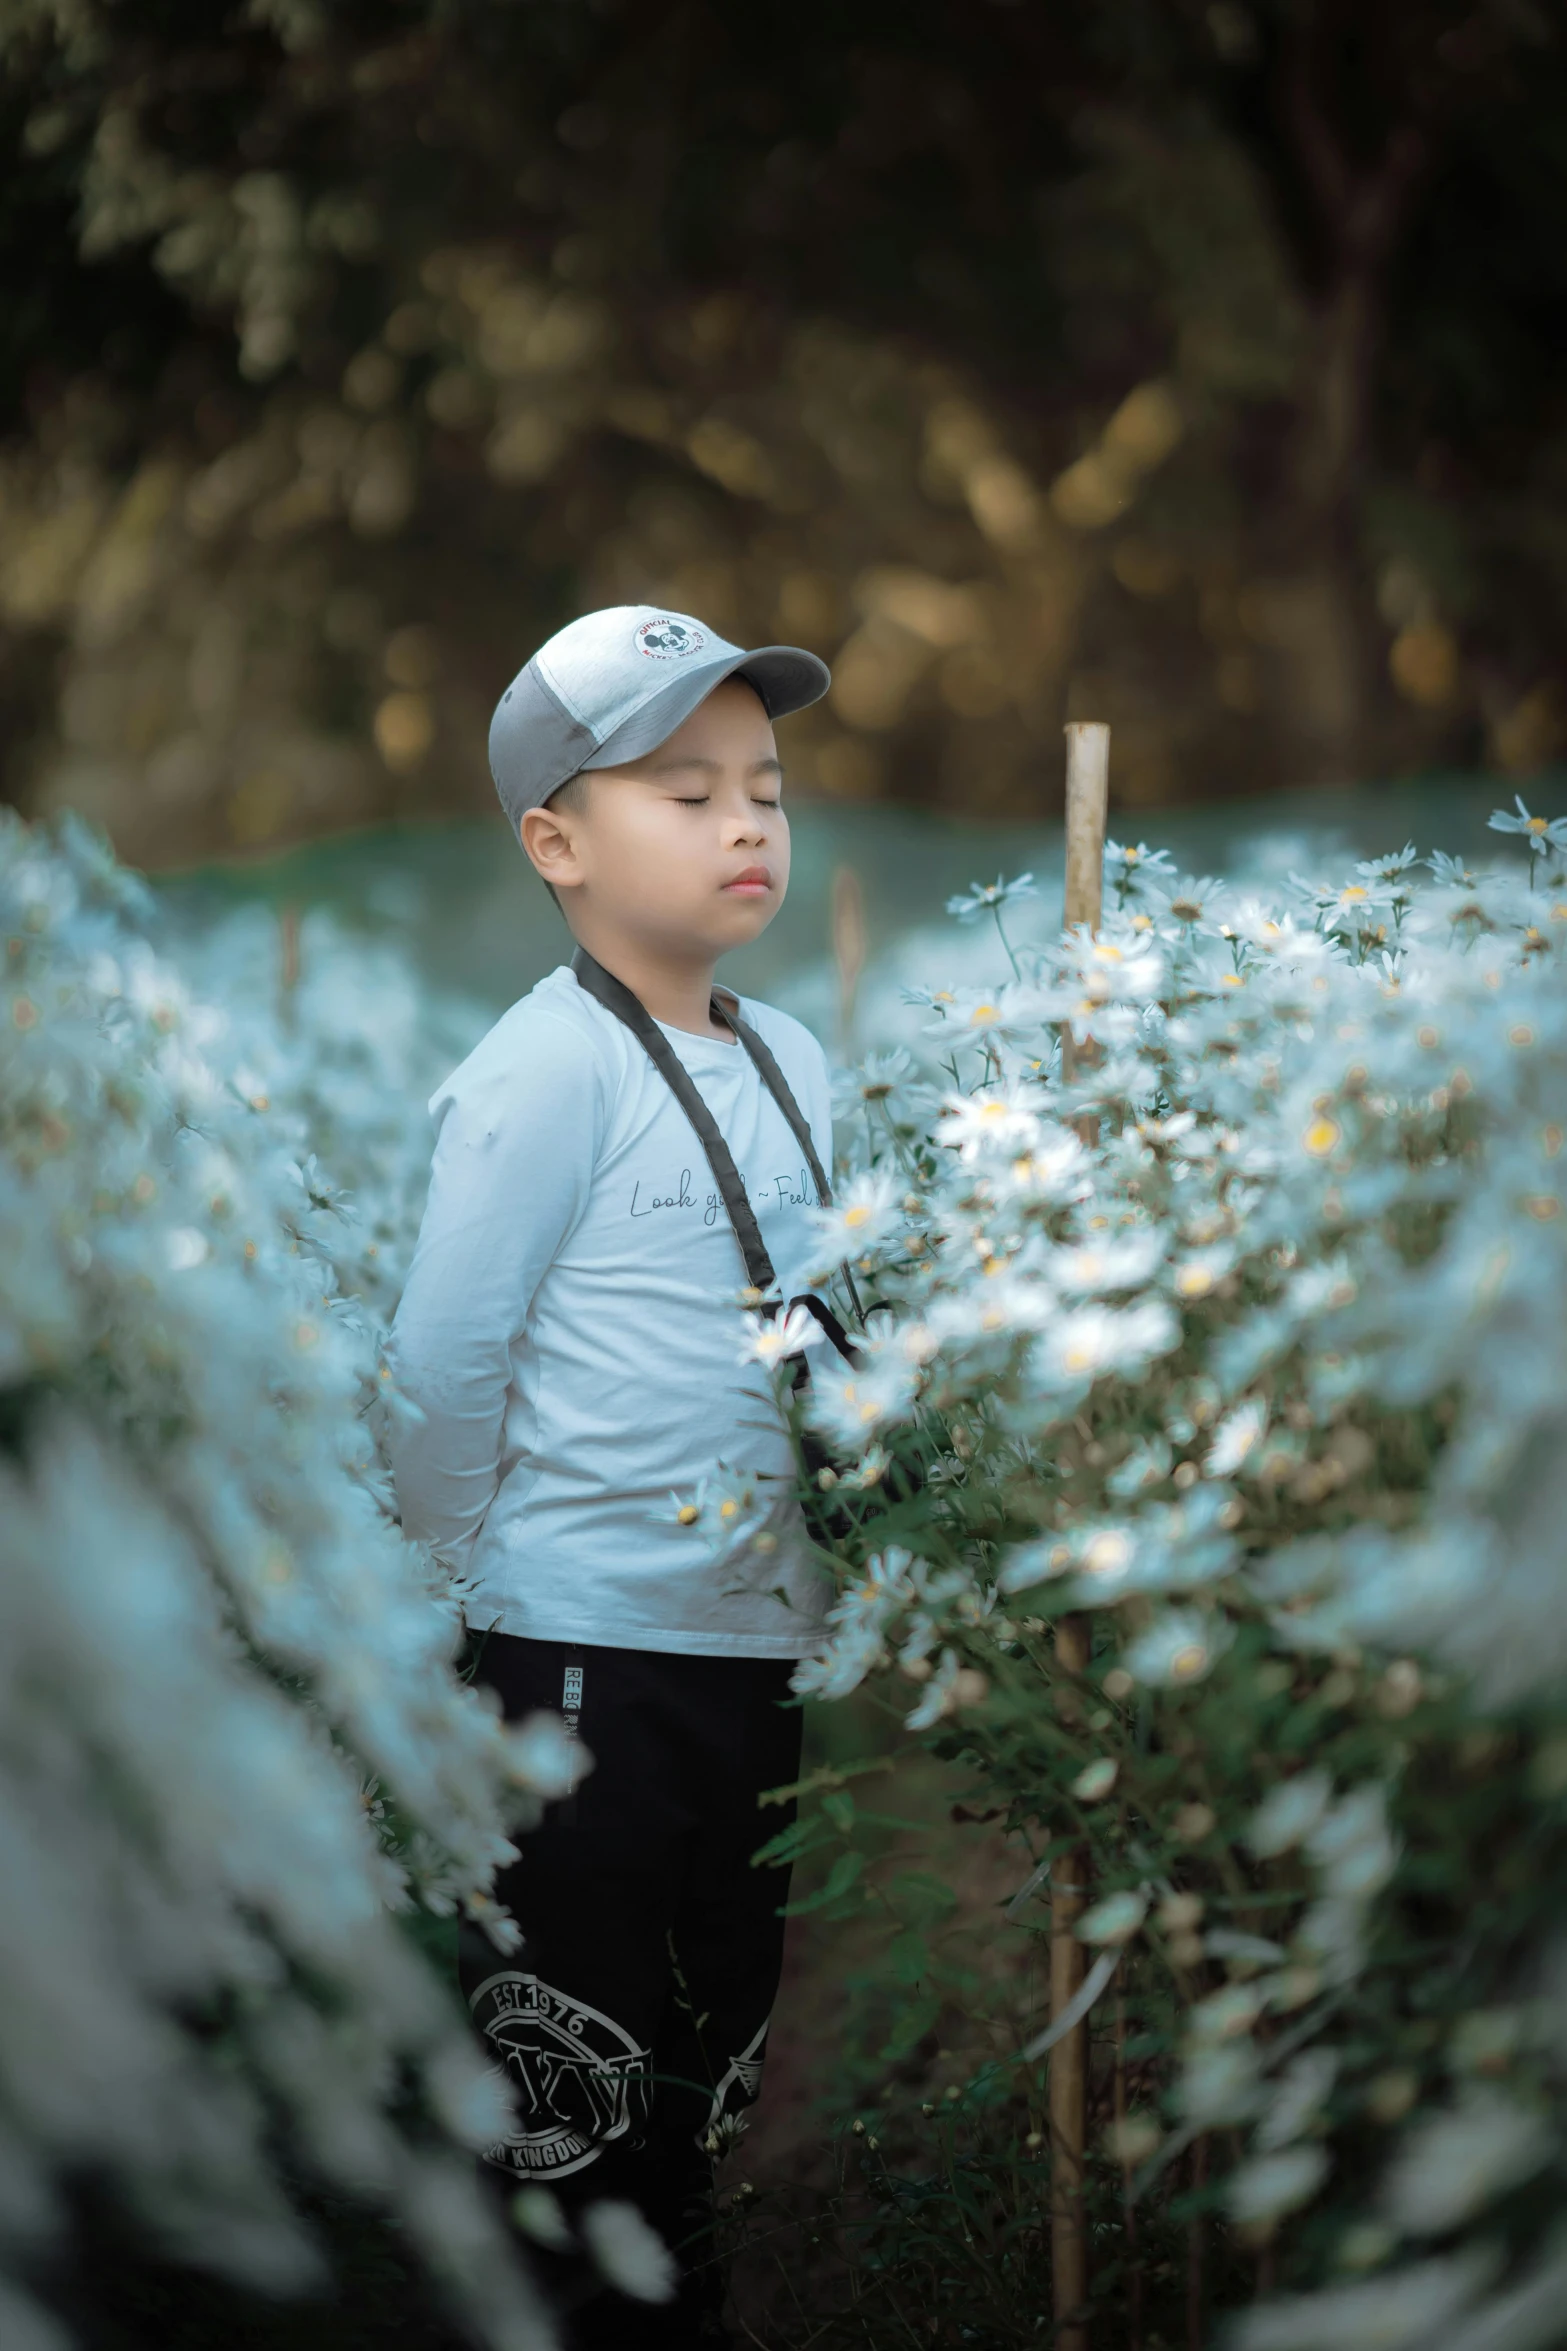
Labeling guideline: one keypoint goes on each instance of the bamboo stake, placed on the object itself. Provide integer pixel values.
(1087, 796)
(288, 963)
(1087, 806)
(1134, 2267)
(1195, 2248)
(848, 947)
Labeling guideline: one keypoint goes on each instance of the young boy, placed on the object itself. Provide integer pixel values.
(570, 1333)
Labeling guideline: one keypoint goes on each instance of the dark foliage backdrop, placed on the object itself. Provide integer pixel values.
(1188, 365)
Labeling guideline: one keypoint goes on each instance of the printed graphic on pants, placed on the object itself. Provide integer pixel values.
(738, 2087)
(577, 2078)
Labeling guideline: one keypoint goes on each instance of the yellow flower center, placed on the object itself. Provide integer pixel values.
(1321, 1136)
(1539, 824)
(981, 1012)
(1352, 893)
(857, 1215)
(1188, 1662)
(688, 1514)
(1194, 1281)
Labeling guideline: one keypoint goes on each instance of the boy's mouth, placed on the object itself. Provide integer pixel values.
(754, 882)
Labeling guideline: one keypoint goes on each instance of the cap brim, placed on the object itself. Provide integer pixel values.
(785, 676)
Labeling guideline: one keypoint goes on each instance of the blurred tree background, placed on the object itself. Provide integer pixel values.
(1192, 364)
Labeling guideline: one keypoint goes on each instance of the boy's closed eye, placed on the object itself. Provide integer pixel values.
(761, 799)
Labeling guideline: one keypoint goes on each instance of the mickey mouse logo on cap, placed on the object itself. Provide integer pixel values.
(668, 640)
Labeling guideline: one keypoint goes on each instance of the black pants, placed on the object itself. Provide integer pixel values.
(631, 2024)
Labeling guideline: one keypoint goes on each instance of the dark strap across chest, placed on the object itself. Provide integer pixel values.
(617, 998)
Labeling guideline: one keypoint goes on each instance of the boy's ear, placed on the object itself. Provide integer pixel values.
(547, 842)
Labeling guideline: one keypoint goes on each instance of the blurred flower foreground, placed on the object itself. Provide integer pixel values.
(235, 1762)
(1244, 1337)
(1241, 1336)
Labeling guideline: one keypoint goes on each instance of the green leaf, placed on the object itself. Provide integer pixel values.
(908, 1958)
(790, 1844)
(921, 1899)
(842, 1875)
(910, 2026)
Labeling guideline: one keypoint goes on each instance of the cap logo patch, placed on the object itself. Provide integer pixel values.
(668, 640)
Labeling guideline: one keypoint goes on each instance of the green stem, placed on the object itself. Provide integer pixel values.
(1001, 931)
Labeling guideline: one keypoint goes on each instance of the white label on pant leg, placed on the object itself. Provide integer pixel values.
(571, 1710)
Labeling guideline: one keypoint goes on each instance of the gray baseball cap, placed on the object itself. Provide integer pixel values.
(616, 684)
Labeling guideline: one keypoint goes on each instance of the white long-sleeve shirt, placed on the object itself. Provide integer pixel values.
(571, 1337)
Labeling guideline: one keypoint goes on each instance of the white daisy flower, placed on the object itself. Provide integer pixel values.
(1003, 1118)
(1288, 1813)
(1033, 1563)
(849, 1404)
(867, 1213)
(545, 1756)
(1199, 1274)
(1093, 1340)
(1272, 2185)
(1353, 1846)
(1304, 2088)
(630, 2253)
(841, 1667)
(879, 1075)
(937, 1697)
(1451, 2166)
(1114, 1920)
(1122, 1261)
(1235, 1439)
(539, 2216)
(988, 1014)
(990, 897)
(1053, 1170)
(769, 1342)
(1180, 1647)
(1542, 834)
(1220, 2085)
